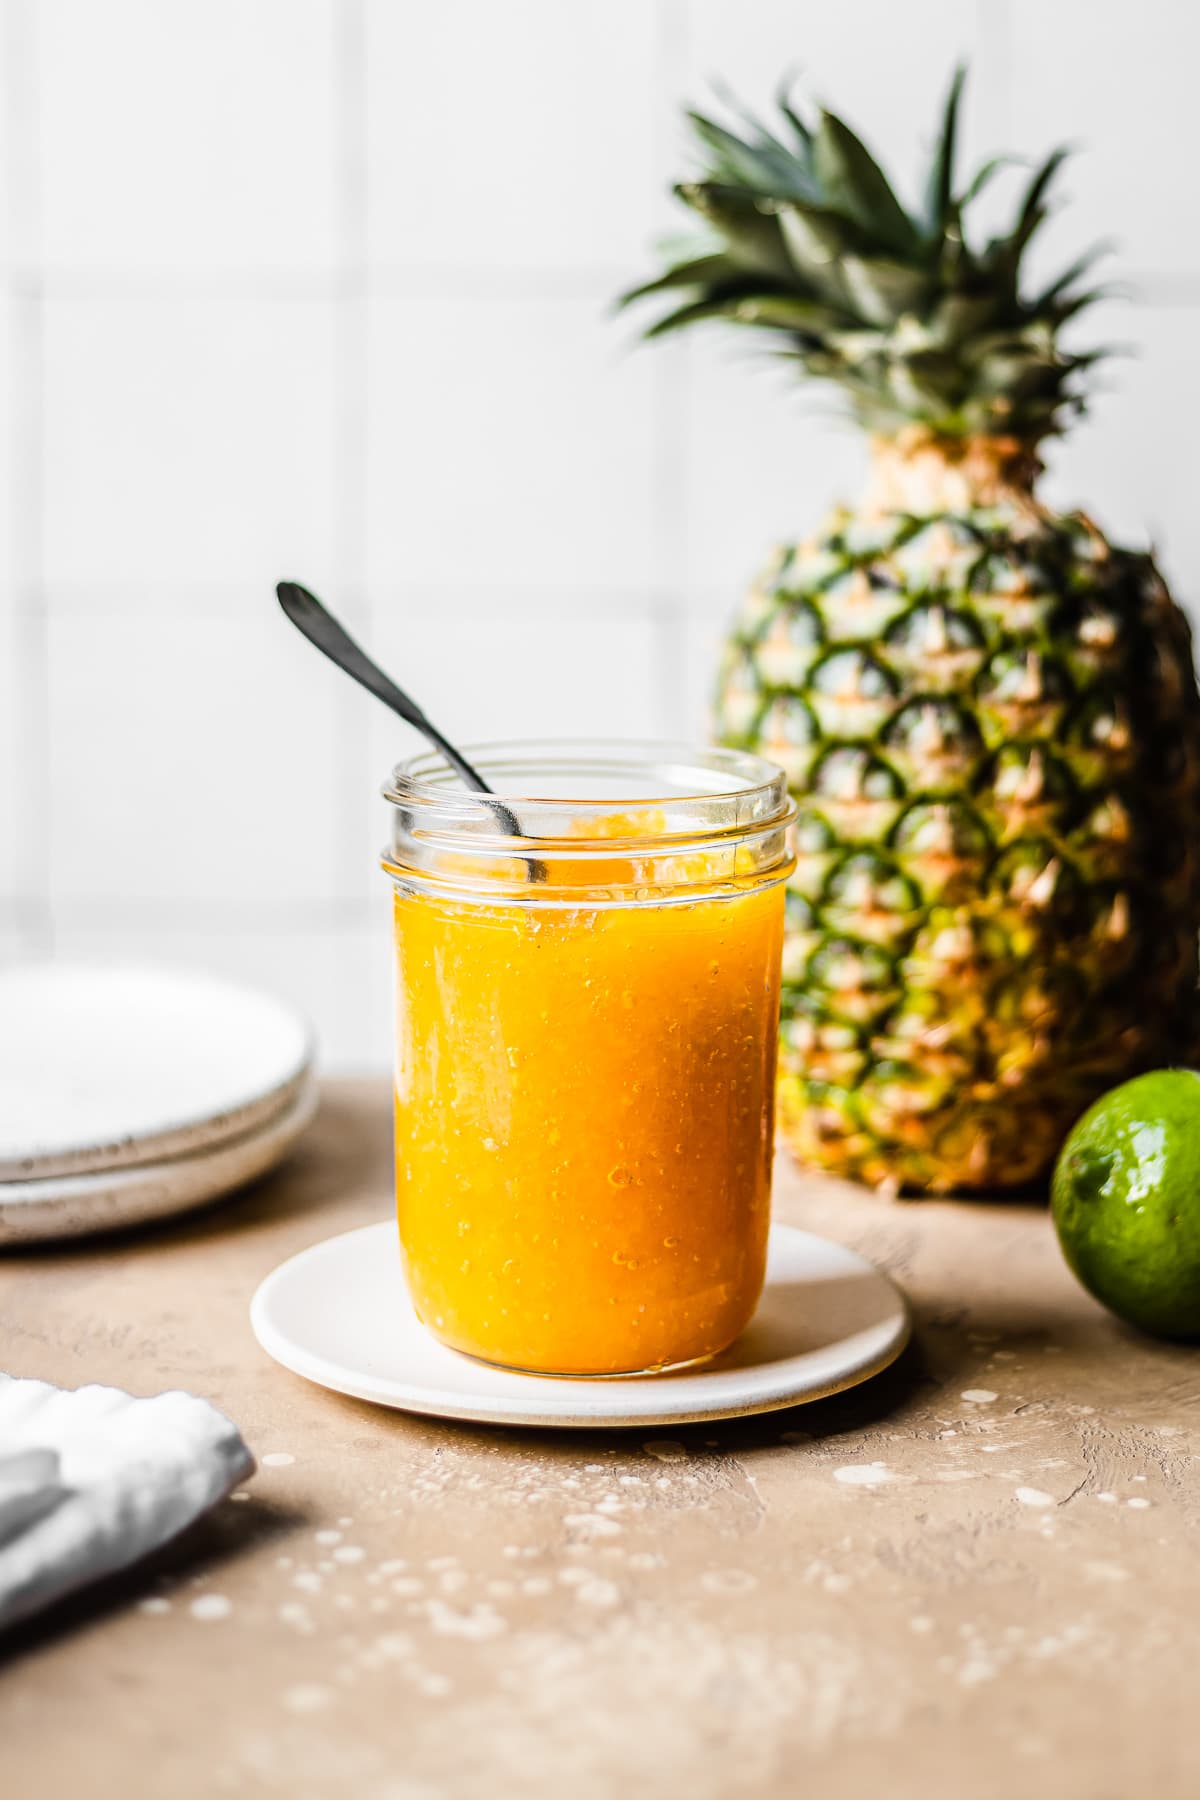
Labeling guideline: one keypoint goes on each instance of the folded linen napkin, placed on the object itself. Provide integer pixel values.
(92, 1479)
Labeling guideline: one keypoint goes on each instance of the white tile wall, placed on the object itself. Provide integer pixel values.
(322, 287)
(189, 444)
(1131, 464)
(883, 67)
(190, 136)
(10, 346)
(14, 878)
(1129, 103)
(339, 975)
(198, 759)
(762, 459)
(516, 137)
(510, 445)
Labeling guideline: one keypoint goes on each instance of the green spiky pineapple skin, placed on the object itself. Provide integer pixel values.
(988, 715)
(990, 724)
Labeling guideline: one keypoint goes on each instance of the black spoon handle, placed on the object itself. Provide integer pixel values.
(320, 627)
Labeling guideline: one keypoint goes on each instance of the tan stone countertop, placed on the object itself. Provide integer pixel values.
(977, 1576)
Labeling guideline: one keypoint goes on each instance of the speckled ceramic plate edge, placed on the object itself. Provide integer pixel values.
(185, 1131)
(592, 1404)
(130, 1155)
(73, 1206)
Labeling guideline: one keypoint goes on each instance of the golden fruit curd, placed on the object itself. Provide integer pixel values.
(584, 1115)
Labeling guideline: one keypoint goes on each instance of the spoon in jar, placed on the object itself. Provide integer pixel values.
(320, 627)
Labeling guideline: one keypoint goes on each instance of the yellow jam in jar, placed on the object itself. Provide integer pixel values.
(585, 1067)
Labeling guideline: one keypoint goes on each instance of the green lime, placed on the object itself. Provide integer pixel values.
(1126, 1201)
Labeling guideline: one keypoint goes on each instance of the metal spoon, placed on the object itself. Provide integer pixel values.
(320, 627)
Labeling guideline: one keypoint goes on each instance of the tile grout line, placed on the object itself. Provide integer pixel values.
(670, 411)
(994, 50)
(1160, 286)
(353, 845)
(419, 281)
(211, 916)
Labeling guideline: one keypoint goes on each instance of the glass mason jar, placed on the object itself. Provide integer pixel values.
(586, 1024)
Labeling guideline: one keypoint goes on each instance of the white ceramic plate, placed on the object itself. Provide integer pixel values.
(340, 1315)
(75, 1205)
(108, 1068)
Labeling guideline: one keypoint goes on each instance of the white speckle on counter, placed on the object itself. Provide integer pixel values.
(155, 1604)
(592, 1525)
(665, 1450)
(979, 1396)
(210, 1607)
(863, 1474)
(349, 1553)
(297, 1618)
(307, 1697)
(728, 1581)
(1138, 1502)
(481, 1622)
(1031, 1496)
(1105, 1571)
(327, 1537)
(1108, 1499)
(598, 1593)
(277, 1459)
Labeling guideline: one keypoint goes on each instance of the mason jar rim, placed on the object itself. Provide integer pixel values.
(692, 822)
(758, 786)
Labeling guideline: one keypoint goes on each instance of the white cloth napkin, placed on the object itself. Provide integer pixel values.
(92, 1479)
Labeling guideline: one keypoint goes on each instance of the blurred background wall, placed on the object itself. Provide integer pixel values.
(321, 288)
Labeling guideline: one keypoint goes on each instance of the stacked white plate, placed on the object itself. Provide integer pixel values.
(129, 1094)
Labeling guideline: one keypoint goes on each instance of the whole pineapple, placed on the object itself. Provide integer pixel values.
(988, 714)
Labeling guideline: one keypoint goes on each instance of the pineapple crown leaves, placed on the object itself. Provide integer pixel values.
(806, 241)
